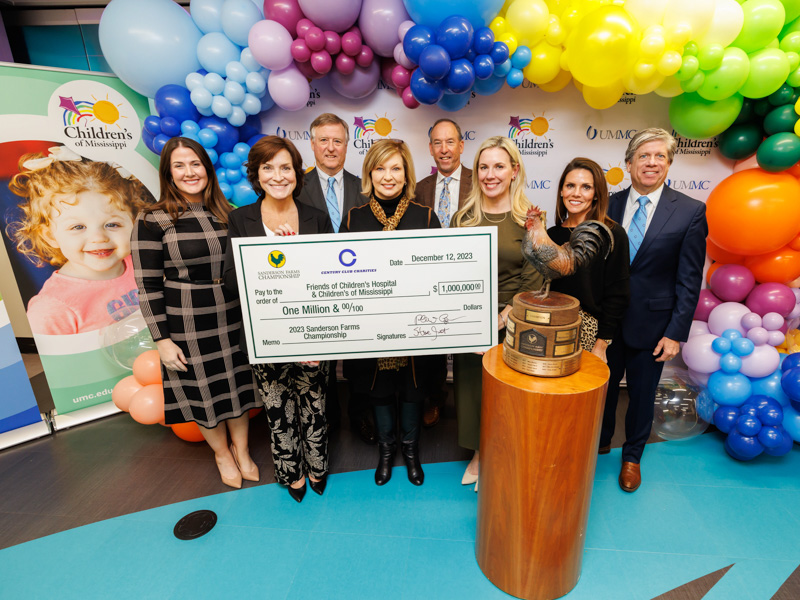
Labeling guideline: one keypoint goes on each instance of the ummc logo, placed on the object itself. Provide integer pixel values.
(593, 133)
(538, 184)
(292, 134)
(689, 184)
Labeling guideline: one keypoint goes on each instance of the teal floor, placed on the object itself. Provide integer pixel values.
(698, 511)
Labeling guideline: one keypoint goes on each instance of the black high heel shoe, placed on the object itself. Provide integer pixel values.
(318, 486)
(298, 493)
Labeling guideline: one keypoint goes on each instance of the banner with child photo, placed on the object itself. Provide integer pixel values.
(73, 176)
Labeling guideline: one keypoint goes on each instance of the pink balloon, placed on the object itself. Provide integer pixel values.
(698, 355)
(401, 78)
(758, 335)
(772, 321)
(285, 12)
(727, 315)
(365, 57)
(337, 16)
(776, 338)
(699, 378)
(408, 98)
(761, 362)
(705, 304)
(732, 283)
(771, 297)
(289, 88)
(124, 391)
(333, 42)
(351, 43)
(746, 163)
(345, 64)
(300, 50)
(321, 62)
(401, 58)
(307, 70)
(315, 39)
(698, 328)
(379, 22)
(302, 27)
(271, 45)
(147, 405)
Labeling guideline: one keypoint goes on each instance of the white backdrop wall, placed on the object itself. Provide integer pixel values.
(549, 128)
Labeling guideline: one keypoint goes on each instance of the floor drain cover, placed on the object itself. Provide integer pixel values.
(195, 525)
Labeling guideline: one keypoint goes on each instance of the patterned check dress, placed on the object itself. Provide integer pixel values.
(176, 267)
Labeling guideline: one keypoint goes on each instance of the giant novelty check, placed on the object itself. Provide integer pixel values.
(358, 295)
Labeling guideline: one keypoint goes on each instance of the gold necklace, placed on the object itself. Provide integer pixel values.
(486, 216)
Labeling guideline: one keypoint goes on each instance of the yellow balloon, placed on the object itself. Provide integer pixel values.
(555, 34)
(605, 96)
(669, 63)
(498, 26)
(529, 20)
(678, 35)
(797, 107)
(558, 83)
(506, 4)
(652, 46)
(643, 85)
(564, 61)
(544, 65)
(670, 88)
(510, 40)
(643, 70)
(603, 47)
(797, 128)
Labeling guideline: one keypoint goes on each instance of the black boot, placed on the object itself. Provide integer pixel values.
(410, 424)
(387, 443)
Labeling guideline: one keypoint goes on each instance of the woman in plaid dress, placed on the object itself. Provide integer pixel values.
(178, 248)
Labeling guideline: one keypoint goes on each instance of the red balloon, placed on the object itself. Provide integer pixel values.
(123, 392)
(781, 266)
(188, 432)
(147, 405)
(147, 368)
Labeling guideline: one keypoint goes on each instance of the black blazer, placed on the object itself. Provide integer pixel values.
(667, 272)
(313, 195)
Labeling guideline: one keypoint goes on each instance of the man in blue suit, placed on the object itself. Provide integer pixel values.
(667, 233)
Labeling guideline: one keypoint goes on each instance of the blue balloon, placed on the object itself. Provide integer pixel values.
(234, 92)
(514, 78)
(732, 334)
(725, 418)
(227, 134)
(790, 382)
(471, 55)
(483, 40)
(503, 68)
(770, 386)
(252, 141)
(149, 43)
(170, 126)
(454, 102)
(227, 190)
(175, 101)
(241, 151)
(729, 363)
(748, 409)
(237, 116)
(212, 155)
(729, 389)
(207, 14)
(747, 425)
(434, 61)
(251, 105)
(192, 136)
(248, 62)
(784, 444)
(152, 125)
(229, 160)
(190, 127)
(235, 71)
(522, 57)
(483, 66)
(214, 83)
(477, 12)
(193, 80)
(208, 138)
(233, 175)
(159, 142)
(791, 422)
(243, 194)
(215, 51)
(221, 174)
(238, 16)
(251, 127)
(425, 90)
(461, 76)
(201, 98)
(499, 53)
(148, 138)
(487, 87)
(415, 40)
(454, 34)
(255, 83)
(791, 361)
(770, 437)
(745, 447)
(243, 169)
(742, 346)
(721, 345)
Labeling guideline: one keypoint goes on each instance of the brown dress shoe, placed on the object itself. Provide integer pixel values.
(630, 477)
(431, 416)
(604, 449)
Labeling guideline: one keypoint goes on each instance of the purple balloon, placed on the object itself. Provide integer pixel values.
(358, 84)
(776, 338)
(285, 12)
(289, 88)
(380, 22)
(758, 335)
(404, 27)
(271, 45)
(705, 304)
(337, 18)
(732, 283)
(770, 297)
(762, 362)
(698, 355)
(751, 320)
(727, 315)
(333, 43)
(698, 328)
(401, 58)
(772, 321)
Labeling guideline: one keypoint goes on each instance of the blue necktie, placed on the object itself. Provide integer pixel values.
(444, 204)
(638, 226)
(333, 204)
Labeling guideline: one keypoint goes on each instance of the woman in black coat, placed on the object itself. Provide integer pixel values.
(293, 393)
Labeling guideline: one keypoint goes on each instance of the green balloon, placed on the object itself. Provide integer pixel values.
(692, 116)
(690, 49)
(794, 78)
(791, 42)
(728, 77)
(688, 68)
(790, 27)
(779, 152)
(740, 141)
(763, 20)
(710, 57)
(693, 84)
(769, 69)
(782, 96)
(762, 107)
(794, 60)
(781, 119)
(747, 113)
(792, 8)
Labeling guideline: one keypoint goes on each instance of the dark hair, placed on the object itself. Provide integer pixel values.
(172, 201)
(263, 151)
(444, 120)
(599, 209)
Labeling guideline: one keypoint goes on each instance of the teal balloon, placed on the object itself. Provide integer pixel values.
(782, 96)
(747, 113)
(780, 119)
(149, 43)
(779, 152)
(740, 141)
(694, 117)
(726, 79)
(769, 69)
(478, 12)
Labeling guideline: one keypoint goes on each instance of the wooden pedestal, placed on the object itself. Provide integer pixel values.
(539, 440)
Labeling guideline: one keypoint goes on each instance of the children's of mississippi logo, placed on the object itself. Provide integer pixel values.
(615, 175)
(93, 110)
(367, 127)
(277, 259)
(530, 135)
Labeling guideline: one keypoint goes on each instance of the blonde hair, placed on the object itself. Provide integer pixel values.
(45, 188)
(651, 134)
(471, 214)
(378, 154)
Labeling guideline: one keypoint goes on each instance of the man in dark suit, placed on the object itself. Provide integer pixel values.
(444, 192)
(667, 235)
(330, 188)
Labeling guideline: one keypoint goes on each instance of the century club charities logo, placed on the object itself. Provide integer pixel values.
(531, 135)
(366, 130)
(94, 118)
(276, 259)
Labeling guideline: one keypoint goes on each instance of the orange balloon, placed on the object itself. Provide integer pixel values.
(717, 254)
(147, 368)
(147, 405)
(794, 170)
(188, 432)
(780, 266)
(123, 392)
(713, 267)
(795, 243)
(753, 212)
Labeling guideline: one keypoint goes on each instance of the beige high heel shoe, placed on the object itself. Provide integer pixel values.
(234, 482)
(252, 474)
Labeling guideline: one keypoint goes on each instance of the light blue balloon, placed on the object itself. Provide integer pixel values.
(206, 112)
(251, 104)
(243, 194)
(732, 334)
(149, 43)
(431, 14)
(235, 71)
(503, 69)
(233, 175)
(215, 51)
(226, 189)
(454, 102)
(237, 116)
(221, 173)
(233, 91)
(742, 346)
(238, 16)
(521, 57)
(207, 14)
(260, 5)
(221, 107)
(208, 137)
(771, 386)
(193, 80)
(229, 160)
(212, 155)
(729, 389)
(214, 83)
(514, 78)
(247, 60)
(705, 406)
(255, 83)
(243, 169)
(201, 97)
(189, 127)
(730, 363)
(487, 87)
(241, 151)
(192, 136)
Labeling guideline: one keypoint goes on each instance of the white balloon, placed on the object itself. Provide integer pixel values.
(725, 24)
(646, 12)
(695, 13)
